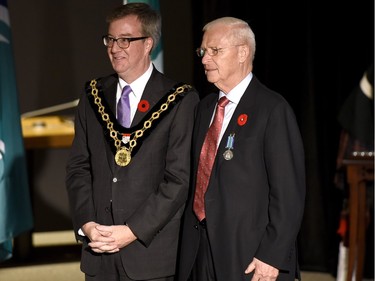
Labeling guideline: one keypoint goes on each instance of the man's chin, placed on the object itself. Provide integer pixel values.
(210, 77)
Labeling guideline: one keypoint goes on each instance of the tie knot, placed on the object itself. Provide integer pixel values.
(223, 101)
(126, 90)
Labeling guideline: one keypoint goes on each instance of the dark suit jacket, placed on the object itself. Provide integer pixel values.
(255, 201)
(149, 194)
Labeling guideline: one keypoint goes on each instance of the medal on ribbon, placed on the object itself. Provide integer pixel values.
(228, 153)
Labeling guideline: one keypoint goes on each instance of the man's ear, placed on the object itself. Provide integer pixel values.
(149, 43)
(243, 53)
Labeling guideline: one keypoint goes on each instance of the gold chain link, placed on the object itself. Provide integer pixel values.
(146, 125)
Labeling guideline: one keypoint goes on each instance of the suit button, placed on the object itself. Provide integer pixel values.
(114, 179)
(196, 226)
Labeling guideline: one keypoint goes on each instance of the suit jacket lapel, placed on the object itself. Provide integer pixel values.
(244, 106)
(151, 94)
(109, 93)
(206, 116)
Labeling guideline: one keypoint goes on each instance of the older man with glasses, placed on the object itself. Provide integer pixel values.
(244, 213)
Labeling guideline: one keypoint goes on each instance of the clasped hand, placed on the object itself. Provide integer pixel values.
(108, 239)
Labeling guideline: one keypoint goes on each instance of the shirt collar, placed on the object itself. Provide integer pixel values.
(138, 85)
(237, 92)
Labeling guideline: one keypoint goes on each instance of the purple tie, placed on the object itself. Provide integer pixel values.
(123, 107)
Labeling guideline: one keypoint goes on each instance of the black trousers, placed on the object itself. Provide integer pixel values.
(113, 270)
(203, 269)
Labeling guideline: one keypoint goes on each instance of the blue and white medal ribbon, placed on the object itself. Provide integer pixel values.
(228, 154)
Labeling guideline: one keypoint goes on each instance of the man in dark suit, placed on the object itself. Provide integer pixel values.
(127, 184)
(245, 225)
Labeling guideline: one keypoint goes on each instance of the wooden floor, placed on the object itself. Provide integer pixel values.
(70, 271)
(55, 256)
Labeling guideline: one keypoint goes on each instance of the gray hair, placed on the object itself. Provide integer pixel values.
(240, 31)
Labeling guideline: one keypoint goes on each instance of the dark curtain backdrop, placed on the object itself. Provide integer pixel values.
(313, 54)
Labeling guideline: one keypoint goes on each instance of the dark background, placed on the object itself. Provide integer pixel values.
(313, 52)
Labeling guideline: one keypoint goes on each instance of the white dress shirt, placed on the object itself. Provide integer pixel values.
(138, 86)
(234, 96)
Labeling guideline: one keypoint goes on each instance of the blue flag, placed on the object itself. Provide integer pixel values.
(15, 204)
(157, 53)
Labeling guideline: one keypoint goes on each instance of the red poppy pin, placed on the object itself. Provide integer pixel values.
(242, 119)
(143, 106)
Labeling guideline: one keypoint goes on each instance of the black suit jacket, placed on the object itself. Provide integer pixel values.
(254, 202)
(149, 194)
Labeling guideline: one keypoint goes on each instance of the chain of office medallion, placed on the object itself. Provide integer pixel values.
(146, 125)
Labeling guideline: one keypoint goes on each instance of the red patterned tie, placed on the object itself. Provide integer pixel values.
(207, 158)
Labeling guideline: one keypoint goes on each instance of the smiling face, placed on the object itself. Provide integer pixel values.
(132, 62)
(231, 63)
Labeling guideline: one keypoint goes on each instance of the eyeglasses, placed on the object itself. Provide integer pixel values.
(211, 51)
(122, 42)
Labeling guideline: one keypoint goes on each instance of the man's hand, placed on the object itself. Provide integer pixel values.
(121, 234)
(263, 271)
(108, 239)
(101, 242)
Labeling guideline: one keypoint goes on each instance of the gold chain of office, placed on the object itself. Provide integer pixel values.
(123, 153)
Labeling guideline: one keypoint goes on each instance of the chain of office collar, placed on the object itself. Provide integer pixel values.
(137, 134)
